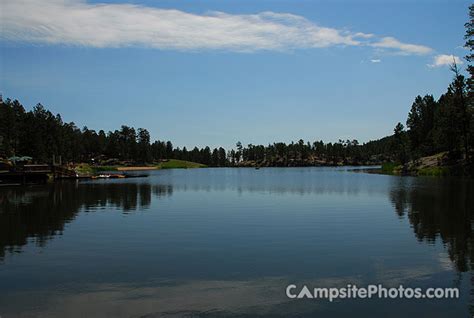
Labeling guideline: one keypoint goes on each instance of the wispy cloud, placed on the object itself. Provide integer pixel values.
(402, 48)
(445, 59)
(76, 22)
(364, 35)
(375, 60)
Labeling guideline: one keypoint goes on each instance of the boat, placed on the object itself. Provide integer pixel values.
(112, 176)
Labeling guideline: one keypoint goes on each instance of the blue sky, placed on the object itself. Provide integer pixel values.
(215, 72)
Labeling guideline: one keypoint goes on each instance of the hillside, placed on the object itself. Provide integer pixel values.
(179, 164)
(439, 164)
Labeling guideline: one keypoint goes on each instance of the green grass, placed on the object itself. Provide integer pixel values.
(87, 169)
(84, 169)
(389, 167)
(179, 164)
(104, 168)
(434, 171)
(394, 168)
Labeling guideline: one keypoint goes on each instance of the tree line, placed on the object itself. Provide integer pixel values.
(432, 126)
(41, 134)
(443, 125)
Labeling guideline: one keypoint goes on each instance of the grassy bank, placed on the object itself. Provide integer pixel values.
(87, 169)
(179, 164)
(437, 165)
(435, 171)
(390, 167)
(397, 169)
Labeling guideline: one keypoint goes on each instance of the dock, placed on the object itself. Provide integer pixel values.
(35, 173)
(40, 173)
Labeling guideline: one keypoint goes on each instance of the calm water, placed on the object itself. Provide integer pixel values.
(227, 242)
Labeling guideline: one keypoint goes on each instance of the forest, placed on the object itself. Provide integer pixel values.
(41, 134)
(443, 125)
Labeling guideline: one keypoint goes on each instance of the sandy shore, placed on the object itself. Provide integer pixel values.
(135, 168)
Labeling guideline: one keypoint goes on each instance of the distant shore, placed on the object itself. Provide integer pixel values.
(436, 165)
(140, 168)
(311, 162)
(92, 169)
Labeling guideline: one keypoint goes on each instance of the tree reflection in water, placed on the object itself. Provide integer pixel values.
(41, 212)
(437, 209)
(440, 209)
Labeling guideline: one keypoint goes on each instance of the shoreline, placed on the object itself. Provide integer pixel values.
(137, 168)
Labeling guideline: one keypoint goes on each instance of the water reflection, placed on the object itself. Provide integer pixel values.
(302, 181)
(436, 208)
(439, 209)
(227, 241)
(40, 212)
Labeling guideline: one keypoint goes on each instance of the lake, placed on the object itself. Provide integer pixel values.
(227, 242)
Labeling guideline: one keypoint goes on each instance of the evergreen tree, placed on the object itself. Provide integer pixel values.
(400, 143)
(420, 123)
(144, 151)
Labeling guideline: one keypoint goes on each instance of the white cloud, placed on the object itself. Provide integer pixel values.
(364, 35)
(115, 25)
(402, 48)
(76, 22)
(376, 60)
(444, 59)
